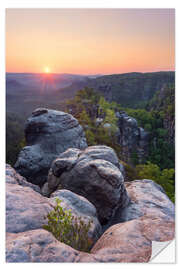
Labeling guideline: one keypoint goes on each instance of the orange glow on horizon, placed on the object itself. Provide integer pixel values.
(82, 41)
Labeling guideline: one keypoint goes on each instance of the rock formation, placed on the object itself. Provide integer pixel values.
(133, 139)
(48, 133)
(129, 240)
(93, 173)
(26, 209)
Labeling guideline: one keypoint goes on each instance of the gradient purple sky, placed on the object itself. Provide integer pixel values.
(89, 41)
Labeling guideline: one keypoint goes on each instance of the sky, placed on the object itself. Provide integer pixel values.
(90, 41)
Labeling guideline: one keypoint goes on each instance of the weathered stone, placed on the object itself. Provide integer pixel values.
(12, 177)
(93, 173)
(25, 209)
(123, 242)
(80, 208)
(134, 140)
(149, 203)
(37, 246)
(48, 133)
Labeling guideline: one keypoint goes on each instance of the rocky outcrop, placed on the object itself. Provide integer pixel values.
(121, 243)
(48, 133)
(148, 217)
(80, 207)
(26, 209)
(152, 207)
(93, 173)
(133, 139)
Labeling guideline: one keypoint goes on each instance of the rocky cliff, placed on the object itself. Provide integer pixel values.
(130, 89)
(132, 139)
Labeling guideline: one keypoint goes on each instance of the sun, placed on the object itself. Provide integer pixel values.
(46, 70)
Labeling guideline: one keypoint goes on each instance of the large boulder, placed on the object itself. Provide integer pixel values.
(151, 205)
(80, 208)
(93, 173)
(48, 133)
(124, 242)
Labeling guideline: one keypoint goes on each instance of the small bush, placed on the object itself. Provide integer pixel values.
(68, 229)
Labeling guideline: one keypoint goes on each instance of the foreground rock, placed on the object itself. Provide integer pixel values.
(12, 177)
(155, 210)
(26, 209)
(80, 207)
(93, 173)
(121, 243)
(148, 217)
(37, 246)
(48, 133)
(124, 242)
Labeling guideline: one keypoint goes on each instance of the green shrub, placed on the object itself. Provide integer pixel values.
(68, 229)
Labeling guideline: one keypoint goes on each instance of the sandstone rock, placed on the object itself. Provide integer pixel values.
(155, 210)
(123, 242)
(80, 207)
(48, 133)
(25, 208)
(12, 177)
(133, 139)
(93, 173)
(37, 246)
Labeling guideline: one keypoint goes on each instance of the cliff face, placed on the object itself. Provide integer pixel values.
(131, 88)
(132, 139)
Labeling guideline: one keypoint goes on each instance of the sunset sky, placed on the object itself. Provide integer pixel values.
(89, 41)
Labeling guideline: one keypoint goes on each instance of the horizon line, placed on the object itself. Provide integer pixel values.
(95, 74)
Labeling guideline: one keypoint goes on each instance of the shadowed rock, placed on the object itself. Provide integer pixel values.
(48, 133)
(93, 173)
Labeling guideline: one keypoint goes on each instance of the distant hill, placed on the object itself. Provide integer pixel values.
(27, 91)
(130, 89)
